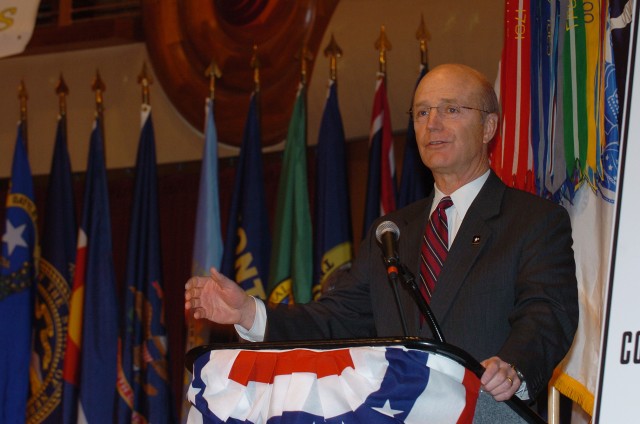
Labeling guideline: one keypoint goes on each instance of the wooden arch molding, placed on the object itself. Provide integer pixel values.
(182, 37)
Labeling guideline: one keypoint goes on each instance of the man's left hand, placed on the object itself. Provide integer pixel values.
(499, 379)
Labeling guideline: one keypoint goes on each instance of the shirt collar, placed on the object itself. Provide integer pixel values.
(462, 197)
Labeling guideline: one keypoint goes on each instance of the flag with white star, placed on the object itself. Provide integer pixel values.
(19, 241)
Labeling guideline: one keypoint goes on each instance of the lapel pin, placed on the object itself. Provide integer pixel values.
(475, 240)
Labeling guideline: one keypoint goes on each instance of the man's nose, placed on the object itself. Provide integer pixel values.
(434, 120)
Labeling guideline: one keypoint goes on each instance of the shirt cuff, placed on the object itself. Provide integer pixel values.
(259, 327)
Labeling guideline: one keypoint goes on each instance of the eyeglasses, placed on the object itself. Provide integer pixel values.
(445, 111)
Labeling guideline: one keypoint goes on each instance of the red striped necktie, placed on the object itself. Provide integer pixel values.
(434, 248)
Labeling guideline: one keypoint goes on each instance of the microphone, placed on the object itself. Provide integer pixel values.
(387, 235)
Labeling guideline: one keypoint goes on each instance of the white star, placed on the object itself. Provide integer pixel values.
(13, 236)
(386, 409)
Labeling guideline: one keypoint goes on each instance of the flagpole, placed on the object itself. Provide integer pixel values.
(23, 96)
(333, 52)
(304, 57)
(212, 72)
(421, 36)
(255, 65)
(62, 90)
(98, 88)
(145, 81)
(383, 45)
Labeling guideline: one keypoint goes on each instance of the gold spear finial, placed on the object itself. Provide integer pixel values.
(62, 91)
(98, 88)
(333, 52)
(23, 96)
(421, 36)
(304, 57)
(255, 65)
(212, 72)
(145, 81)
(383, 45)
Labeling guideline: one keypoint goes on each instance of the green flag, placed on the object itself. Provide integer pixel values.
(291, 256)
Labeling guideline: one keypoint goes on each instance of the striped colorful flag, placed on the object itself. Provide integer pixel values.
(207, 245)
(144, 393)
(575, 96)
(333, 246)
(575, 140)
(544, 60)
(54, 288)
(416, 181)
(356, 385)
(592, 216)
(247, 243)
(19, 263)
(291, 265)
(92, 340)
(381, 178)
(512, 156)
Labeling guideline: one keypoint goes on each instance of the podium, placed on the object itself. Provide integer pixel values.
(381, 380)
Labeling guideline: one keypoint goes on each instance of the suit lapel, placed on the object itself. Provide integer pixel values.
(473, 237)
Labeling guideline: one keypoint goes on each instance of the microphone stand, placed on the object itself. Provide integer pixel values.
(409, 282)
(393, 280)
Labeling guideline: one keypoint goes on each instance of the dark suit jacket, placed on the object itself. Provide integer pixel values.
(511, 293)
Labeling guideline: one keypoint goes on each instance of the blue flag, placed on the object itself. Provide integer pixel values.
(91, 395)
(247, 244)
(53, 288)
(416, 180)
(333, 241)
(143, 376)
(19, 245)
(207, 245)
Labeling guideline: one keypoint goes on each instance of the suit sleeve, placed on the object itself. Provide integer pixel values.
(545, 315)
(345, 312)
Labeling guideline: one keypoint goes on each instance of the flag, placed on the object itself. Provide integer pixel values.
(143, 376)
(354, 385)
(592, 217)
(291, 265)
(416, 181)
(17, 20)
(19, 261)
(575, 86)
(575, 142)
(381, 179)
(92, 341)
(544, 62)
(333, 247)
(53, 288)
(207, 245)
(246, 248)
(512, 156)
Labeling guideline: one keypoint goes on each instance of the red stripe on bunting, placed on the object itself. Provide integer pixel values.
(272, 364)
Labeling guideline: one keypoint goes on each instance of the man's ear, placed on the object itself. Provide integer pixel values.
(490, 127)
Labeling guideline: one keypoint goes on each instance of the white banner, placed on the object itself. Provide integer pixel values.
(617, 395)
(17, 19)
